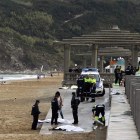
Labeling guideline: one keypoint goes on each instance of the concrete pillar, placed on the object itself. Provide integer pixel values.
(126, 62)
(98, 133)
(94, 59)
(66, 59)
(84, 62)
(101, 64)
(134, 56)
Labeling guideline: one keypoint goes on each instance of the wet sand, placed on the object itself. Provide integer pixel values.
(15, 116)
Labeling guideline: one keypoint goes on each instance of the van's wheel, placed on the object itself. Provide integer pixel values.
(103, 93)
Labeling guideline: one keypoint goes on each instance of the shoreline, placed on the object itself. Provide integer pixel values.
(15, 117)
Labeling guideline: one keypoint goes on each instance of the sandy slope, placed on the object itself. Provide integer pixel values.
(15, 118)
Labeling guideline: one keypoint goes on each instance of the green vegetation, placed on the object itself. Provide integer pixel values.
(32, 25)
(23, 2)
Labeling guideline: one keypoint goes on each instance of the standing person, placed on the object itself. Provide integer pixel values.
(35, 112)
(74, 105)
(79, 70)
(80, 84)
(70, 70)
(132, 71)
(116, 71)
(38, 78)
(86, 92)
(93, 88)
(127, 72)
(60, 103)
(121, 71)
(55, 108)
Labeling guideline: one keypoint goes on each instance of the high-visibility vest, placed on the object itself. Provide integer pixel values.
(120, 70)
(87, 80)
(93, 81)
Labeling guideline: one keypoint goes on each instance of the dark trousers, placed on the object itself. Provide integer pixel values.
(93, 89)
(75, 114)
(86, 92)
(98, 111)
(54, 116)
(121, 76)
(116, 79)
(35, 121)
(80, 93)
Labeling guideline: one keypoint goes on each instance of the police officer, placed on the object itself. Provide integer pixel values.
(132, 71)
(99, 109)
(80, 84)
(74, 105)
(55, 108)
(87, 82)
(35, 112)
(93, 88)
(117, 72)
(127, 72)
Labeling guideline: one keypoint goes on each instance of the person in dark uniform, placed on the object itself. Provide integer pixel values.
(132, 71)
(55, 108)
(87, 84)
(127, 72)
(99, 109)
(70, 70)
(80, 84)
(74, 105)
(117, 72)
(35, 112)
(93, 88)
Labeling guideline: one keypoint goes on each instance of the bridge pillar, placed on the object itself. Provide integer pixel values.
(101, 63)
(134, 56)
(94, 49)
(84, 62)
(126, 62)
(66, 59)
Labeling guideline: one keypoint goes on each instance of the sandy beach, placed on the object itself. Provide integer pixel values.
(15, 116)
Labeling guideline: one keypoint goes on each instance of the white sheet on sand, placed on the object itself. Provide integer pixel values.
(49, 120)
(70, 128)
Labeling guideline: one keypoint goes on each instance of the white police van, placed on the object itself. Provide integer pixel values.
(100, 91)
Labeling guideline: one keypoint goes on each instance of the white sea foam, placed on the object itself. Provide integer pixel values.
(13, 77)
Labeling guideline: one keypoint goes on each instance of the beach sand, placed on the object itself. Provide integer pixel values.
(15, 116)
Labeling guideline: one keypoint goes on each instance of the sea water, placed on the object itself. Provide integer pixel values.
(12, 77)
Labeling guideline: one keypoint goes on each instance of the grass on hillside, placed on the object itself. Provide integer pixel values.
(22, 2)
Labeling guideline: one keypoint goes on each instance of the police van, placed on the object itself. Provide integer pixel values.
(100, 91)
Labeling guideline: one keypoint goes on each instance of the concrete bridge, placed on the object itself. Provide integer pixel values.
(104, 38)
(70, 77)
(121, 121)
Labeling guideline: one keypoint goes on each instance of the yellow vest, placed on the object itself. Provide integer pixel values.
(93, 81)
(120, 70)
(87, 80)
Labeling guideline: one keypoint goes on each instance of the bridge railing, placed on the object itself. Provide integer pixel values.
(70, 78)
(109, 78)
(132, 90)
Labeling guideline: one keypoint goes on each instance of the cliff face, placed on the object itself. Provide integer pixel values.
(29, 27)
(15, 58)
